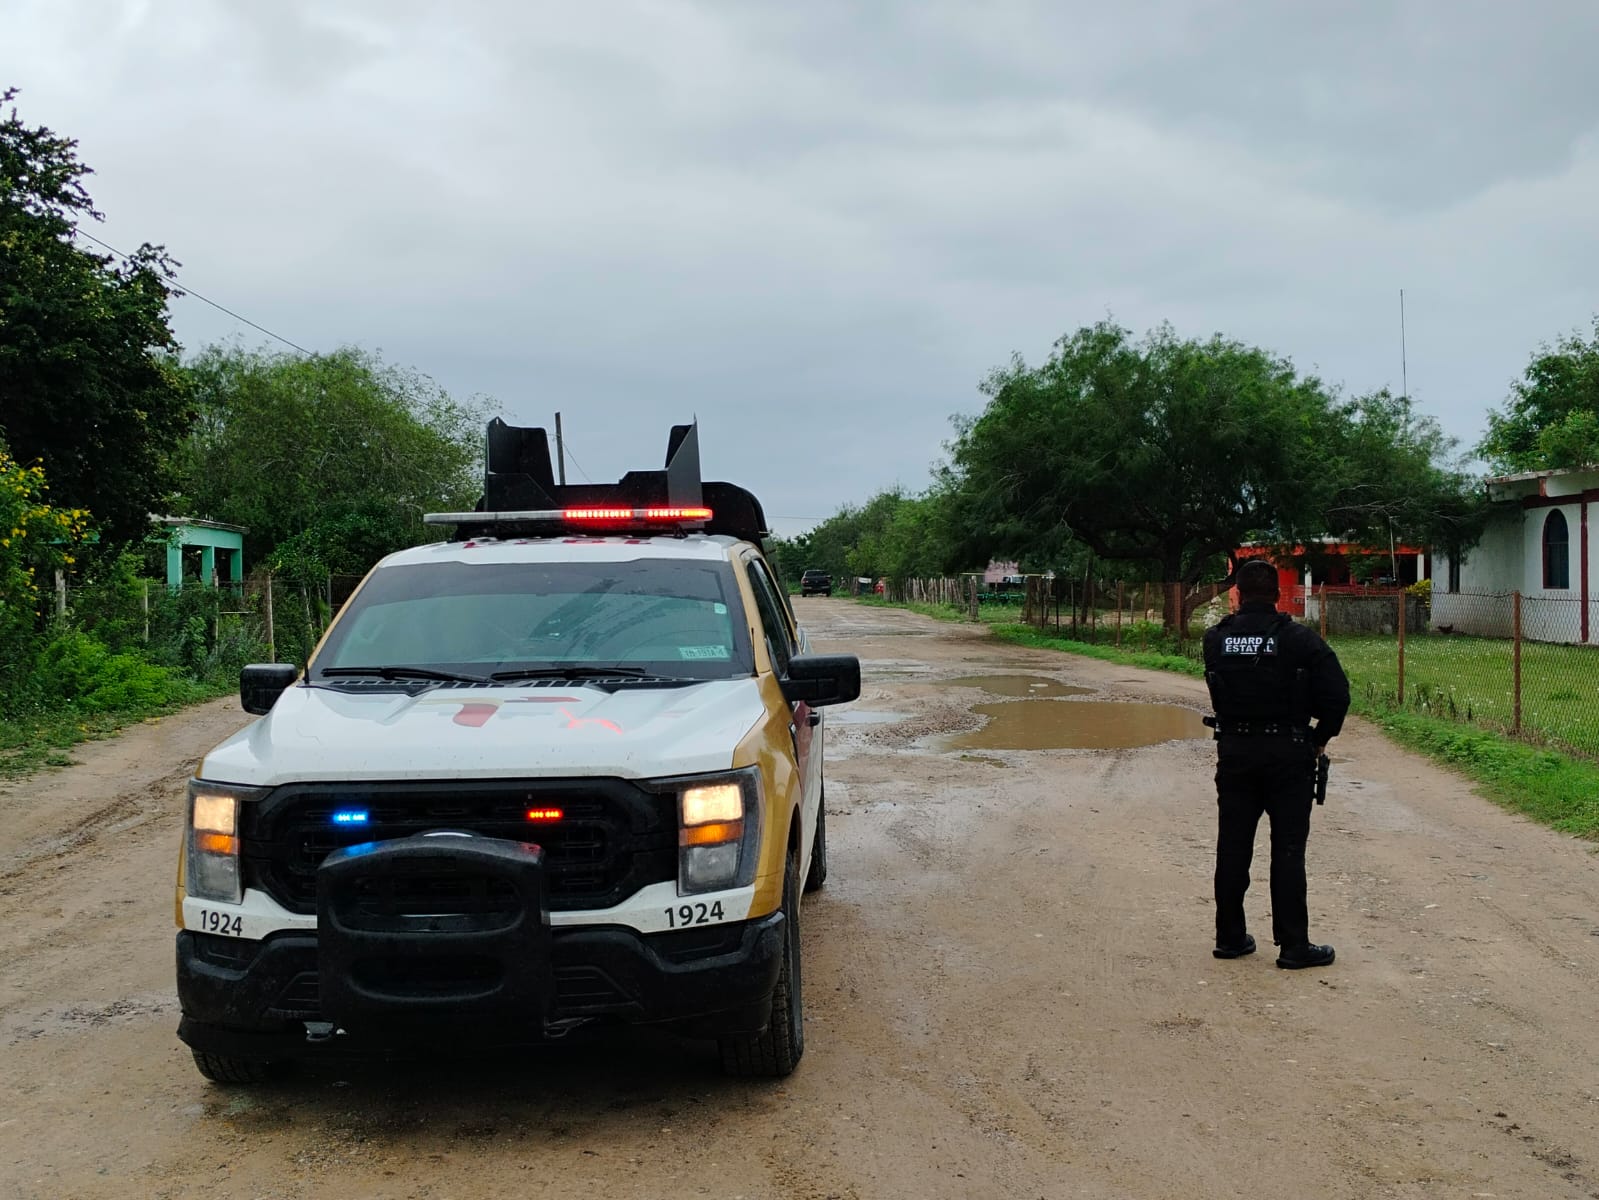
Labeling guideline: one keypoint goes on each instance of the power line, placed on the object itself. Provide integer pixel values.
(567, 442)
(189, 291)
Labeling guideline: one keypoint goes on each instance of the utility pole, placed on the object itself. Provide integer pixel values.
(560, 452)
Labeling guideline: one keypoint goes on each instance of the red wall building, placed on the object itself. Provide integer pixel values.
(1329, 565)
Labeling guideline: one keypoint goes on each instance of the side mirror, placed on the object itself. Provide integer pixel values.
(260, 685)
(820, 679)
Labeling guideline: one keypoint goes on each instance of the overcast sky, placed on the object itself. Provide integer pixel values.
(818, 225)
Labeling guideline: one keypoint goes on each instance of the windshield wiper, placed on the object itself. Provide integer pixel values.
(400, 673)
(574, 671)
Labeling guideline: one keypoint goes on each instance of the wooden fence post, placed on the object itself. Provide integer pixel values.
(61, 595)
(1515, 660)
(1118, 614)
(310, 625)
(144, 606)
(1401, 649)
(272, 641)
(1324, 612)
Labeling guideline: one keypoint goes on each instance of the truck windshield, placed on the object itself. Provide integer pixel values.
(661, 617)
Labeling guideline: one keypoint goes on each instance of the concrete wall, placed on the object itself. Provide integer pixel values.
(1485, 615)
(1352, 613)
(1558, 617)
(1509, 559)
(1495, 563)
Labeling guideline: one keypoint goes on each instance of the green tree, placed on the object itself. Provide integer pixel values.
(1170, 453)
(35, 536)
(1551, 418)
(88, 386)
(1390, 474)
(329, 461)
(892, 534)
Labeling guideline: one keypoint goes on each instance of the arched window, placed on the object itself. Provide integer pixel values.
(1556, 551)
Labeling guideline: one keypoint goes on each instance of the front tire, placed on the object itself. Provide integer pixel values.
(775, 1051)
(817, 875)
(224, 1068)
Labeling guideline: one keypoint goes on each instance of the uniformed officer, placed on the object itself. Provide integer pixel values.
(1268, 678)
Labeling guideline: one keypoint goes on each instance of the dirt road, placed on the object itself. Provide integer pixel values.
(1009, 992)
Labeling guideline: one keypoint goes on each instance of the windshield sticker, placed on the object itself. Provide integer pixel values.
(703, 652)
(719, 609)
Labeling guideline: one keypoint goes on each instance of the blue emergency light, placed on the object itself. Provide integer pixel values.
(351, 816)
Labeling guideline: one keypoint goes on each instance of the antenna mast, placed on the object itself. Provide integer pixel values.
(1404, 369)
(560, 451)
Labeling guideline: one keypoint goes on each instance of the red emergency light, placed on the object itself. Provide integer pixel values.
(615, 515)
(544, 814)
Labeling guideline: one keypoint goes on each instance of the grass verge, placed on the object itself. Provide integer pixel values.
(1026, 635)
(1555, 789)
(1552, 788)
(942, 612)
(45, 739)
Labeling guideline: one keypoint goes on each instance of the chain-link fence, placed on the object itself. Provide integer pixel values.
(1524, 665)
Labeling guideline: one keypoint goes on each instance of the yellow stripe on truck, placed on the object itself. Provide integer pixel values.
(769, 746)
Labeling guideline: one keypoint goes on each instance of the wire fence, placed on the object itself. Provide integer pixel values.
(208, 629)
(1526, 666)
(1119, 612)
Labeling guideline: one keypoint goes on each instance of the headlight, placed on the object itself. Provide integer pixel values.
(211, 865)
(719, 831)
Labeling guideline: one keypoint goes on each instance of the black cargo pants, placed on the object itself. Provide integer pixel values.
(1274, 776)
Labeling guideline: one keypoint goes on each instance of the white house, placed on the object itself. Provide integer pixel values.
(1540, 543)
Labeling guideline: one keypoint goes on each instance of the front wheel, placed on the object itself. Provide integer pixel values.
(817, 875)
(776, 1050)
(224, 1068)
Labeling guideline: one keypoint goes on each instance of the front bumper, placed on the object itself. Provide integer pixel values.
(255, 999)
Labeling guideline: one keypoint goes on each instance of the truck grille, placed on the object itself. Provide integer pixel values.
(612, 839)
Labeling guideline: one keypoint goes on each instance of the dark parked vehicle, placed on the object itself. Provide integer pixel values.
(815, 582)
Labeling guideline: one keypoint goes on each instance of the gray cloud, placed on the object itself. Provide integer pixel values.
(819, 226)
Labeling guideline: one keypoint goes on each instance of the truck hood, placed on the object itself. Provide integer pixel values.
(323, 734)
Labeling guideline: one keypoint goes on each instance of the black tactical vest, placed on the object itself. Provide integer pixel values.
(1251, 678)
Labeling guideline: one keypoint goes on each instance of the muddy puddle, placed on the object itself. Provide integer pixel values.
(1032, 687)
(851, 716)
(1077, 725)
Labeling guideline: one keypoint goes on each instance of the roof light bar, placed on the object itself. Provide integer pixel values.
(594, 515)
(639, 514)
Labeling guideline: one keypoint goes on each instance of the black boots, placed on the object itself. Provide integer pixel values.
(1300, 957)
(1235, 950)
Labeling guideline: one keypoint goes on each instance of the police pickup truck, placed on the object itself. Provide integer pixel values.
(564, 767)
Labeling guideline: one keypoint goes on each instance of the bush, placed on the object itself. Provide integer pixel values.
(76, 669)
(35, 539)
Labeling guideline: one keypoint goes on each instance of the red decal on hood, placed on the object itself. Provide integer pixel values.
(476, 715)
(578, 722)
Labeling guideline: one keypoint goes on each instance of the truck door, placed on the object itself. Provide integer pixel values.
(782, 640)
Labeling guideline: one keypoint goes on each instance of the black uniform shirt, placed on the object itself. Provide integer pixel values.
(1241, 649)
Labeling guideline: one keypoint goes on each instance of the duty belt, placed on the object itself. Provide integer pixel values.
(1225, 728)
